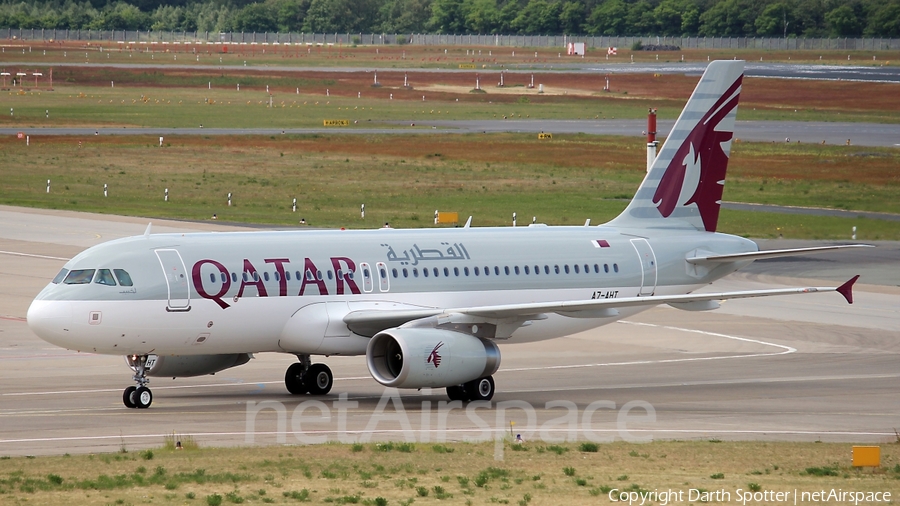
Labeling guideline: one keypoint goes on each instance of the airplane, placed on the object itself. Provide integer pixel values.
(426, 307)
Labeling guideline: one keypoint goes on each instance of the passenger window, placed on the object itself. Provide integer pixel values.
(104, 277)
(556, 268)
(277, 276)
(456, 271)
(394, 272)
(384, 273)
(506, 269)
(330, 275)
(233, 277)
(526, 270)
(61, 276)
(309, 275)
(221, 275)
(255, 276)
(212, 277)
(496, 270)
(125, 278)
(349, 275)
(319, 275)
(546, 269)
(476, 271)
(415, 272)
(537, 269)
(576, 269)
(487, 271)
(587, 268)
(616, 267)
(266, 275)
(516, 269)
(446, 272)
(405, 273)
(79, 277)
(466, 271)
(425, 272)
(566, 268)
(436, 272)
(287, 275)
(244, 276)
(596, 269)
(606, 268)
(299, 277)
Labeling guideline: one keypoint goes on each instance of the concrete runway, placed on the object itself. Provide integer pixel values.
(792, 368)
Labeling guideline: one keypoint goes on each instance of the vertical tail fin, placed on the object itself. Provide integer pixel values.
(684, 187)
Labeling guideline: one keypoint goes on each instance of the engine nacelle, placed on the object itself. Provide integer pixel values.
(189, 365)
(417, 358)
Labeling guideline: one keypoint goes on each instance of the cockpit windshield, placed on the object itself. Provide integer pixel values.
(105, 277)
(61, 276)
(123, 277)
(79, 277)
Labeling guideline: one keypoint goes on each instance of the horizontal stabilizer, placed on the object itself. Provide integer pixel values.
(776, 253)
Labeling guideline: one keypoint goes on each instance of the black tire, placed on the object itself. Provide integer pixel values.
(142, 398)
(457, 393)
(319, 379)
(293, 379)
(480, 389)
(126, 397)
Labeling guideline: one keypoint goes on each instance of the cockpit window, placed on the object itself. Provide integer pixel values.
(61, 276)
(79, 277)
(123, 277)
(104, 277)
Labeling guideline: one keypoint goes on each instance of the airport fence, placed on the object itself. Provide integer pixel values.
(536, 41)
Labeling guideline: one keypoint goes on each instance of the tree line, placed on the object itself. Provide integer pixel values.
(705, 18)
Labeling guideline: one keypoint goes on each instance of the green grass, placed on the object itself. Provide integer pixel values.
(402, 180)
(421, 476)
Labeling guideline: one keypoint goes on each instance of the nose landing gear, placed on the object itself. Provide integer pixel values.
(304, 377)
(138, 396)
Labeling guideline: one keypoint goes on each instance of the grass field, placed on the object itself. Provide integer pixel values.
(403, 179)
(173, 97)
(456, 473)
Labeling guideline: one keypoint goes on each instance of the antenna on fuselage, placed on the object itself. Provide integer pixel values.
(468, 222)
(147, 232)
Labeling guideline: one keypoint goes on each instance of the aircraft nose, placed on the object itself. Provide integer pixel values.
(51, 320)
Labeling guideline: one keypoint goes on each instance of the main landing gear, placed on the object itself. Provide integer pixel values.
(138, 396)
(476, 390)
(306, 378)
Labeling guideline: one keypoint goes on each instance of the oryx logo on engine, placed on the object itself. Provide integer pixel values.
(434, 357)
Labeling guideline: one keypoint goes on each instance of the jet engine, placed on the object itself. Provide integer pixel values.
(417, 358)
(189, 365)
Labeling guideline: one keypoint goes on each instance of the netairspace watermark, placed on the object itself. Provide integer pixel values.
(745, 497)
(314, 421)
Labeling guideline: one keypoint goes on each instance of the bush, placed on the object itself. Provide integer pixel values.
(754, 487)
(637, 46)
(214, 500)
(569, 471)
(589, 447)
(717, 476)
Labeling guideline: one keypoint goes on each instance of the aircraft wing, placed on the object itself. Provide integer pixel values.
(775, 253)
(370, 322)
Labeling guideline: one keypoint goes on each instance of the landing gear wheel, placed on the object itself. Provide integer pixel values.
(480, 389)
(126, 397)
(457, 393)
(293, 379)
(319, 379)
(142, 398)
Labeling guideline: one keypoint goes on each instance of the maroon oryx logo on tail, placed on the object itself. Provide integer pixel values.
(434, 357)
(702, 149)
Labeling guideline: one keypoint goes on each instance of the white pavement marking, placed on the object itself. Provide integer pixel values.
(784, 351)
(15, 253)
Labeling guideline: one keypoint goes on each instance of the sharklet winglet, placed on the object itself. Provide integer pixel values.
(147, 231)
(847, 289)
